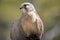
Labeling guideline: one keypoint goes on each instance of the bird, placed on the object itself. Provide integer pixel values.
(29, 26)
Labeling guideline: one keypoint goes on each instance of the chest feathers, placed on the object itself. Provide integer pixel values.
(28, 23)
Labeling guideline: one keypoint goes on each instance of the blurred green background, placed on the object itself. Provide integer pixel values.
(49, 11)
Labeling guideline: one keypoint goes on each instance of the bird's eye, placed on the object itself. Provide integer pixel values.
(24, 5)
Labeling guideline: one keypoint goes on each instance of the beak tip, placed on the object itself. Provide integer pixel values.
(20, 8)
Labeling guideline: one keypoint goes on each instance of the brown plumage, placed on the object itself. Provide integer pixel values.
(29, 26)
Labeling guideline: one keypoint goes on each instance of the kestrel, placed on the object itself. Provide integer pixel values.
(29, 26)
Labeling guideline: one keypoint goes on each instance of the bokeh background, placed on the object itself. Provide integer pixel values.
(49, 11)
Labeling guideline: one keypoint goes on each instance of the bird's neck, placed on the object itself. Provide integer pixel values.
(33, 15)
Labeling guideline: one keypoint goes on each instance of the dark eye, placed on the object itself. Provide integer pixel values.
(26, 4)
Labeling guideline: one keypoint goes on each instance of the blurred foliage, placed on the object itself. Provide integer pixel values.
(49, 11)
(57, 37)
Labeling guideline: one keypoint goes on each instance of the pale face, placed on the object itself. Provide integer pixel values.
(27, 7)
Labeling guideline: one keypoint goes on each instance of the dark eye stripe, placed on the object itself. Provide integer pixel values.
(26, 4)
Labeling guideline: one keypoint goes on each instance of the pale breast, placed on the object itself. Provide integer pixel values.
(28, 25)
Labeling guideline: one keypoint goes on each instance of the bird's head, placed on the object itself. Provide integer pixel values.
(27, 7)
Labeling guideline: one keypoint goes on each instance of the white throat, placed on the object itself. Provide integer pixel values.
(33, 15)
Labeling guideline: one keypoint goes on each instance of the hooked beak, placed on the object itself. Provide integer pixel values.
(21, 7)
